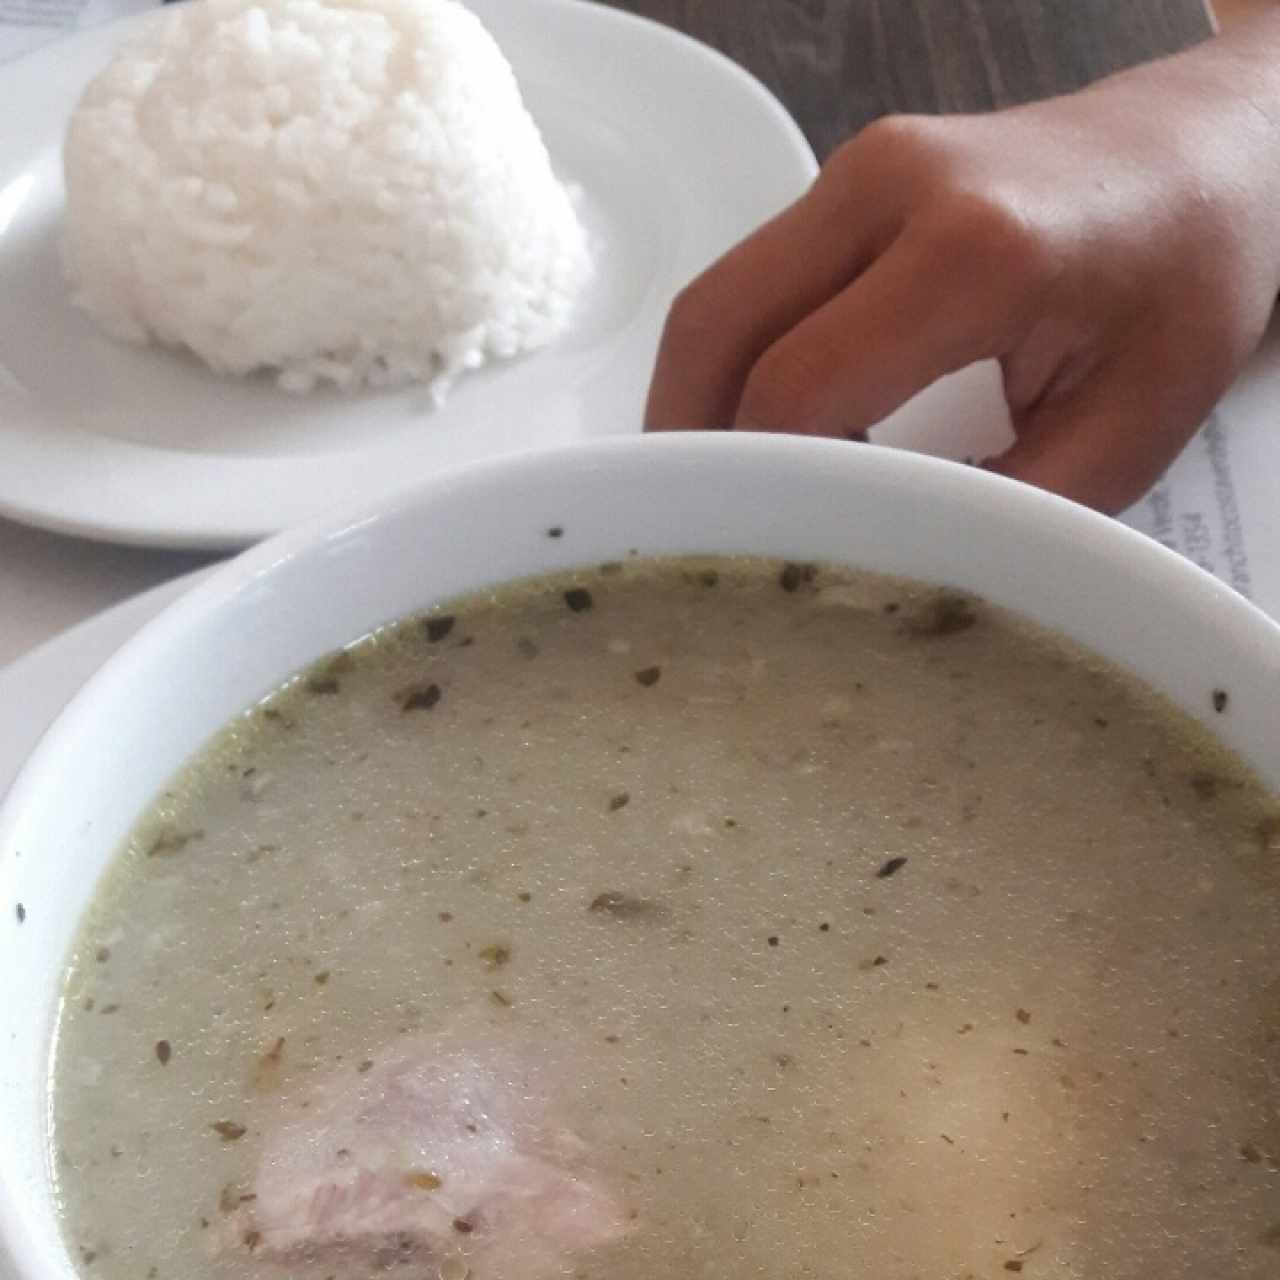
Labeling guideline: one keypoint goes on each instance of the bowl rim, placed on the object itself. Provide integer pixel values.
(1019, 503)
(1006, 502)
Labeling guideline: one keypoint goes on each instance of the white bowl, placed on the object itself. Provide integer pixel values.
(301, 595)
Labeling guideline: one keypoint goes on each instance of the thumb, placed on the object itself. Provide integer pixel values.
(1104, 445)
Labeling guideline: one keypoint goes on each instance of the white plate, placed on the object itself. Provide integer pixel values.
(678, 152)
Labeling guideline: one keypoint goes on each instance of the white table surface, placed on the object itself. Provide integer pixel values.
(49, 582)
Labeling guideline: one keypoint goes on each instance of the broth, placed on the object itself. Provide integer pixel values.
(690, 918)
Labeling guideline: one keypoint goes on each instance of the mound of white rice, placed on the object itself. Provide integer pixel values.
(339, 190)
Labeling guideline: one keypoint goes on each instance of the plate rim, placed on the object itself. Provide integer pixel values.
(30, 492)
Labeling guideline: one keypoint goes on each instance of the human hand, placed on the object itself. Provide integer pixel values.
(1116, 250)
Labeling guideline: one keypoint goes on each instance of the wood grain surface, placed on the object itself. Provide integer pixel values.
(838, 64)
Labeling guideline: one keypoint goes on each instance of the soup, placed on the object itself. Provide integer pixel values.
(689, 918)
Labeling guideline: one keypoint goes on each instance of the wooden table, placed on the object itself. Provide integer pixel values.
(837, 64)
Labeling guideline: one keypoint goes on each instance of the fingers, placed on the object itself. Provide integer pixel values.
(1104, 445)
(719, 326)
(911, 317)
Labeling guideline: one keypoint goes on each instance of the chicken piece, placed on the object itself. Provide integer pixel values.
(438, 1153)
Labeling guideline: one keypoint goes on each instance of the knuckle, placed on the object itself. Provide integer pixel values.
(894, 136)
(889, 144)
(695, 315)
(787, 388)
(1000, 240)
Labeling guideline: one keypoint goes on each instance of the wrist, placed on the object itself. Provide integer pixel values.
(1228, 126)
